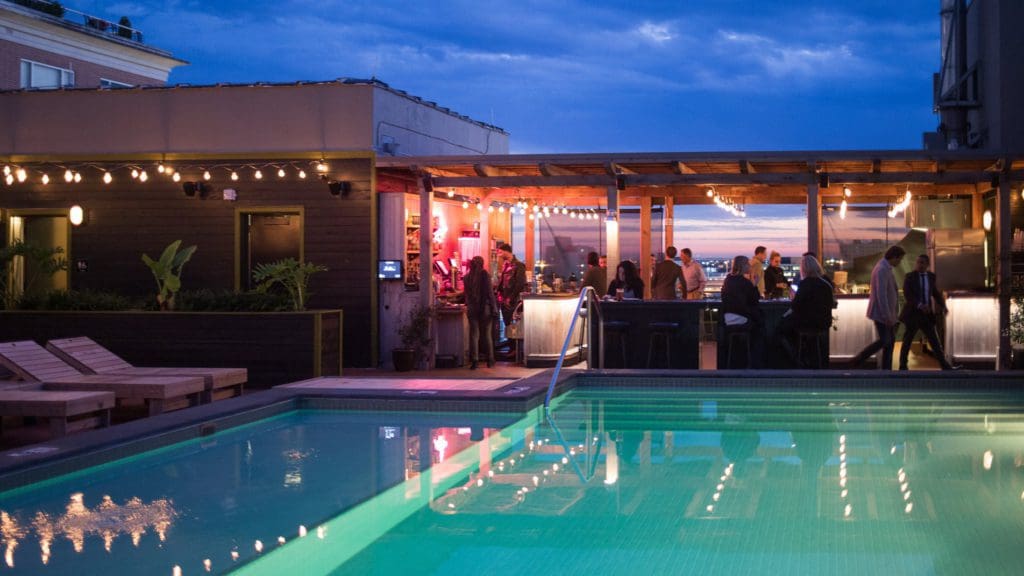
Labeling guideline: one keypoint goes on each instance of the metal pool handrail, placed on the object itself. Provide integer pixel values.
(588, 293)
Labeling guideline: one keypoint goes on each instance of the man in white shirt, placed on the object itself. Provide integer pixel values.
(693, 272)
(883, 307)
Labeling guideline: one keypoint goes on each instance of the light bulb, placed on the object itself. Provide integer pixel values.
(7, 170)
(69, 175)
(280, 172)
(234, 175)
(710, 192)
(258, 175)
(479, 207)
(160, 168)
(302, 174)
(451, 192)
(78, 177)
(842, 209)
(465, 204)
(501, 209)
(45, 179)
(490, 208)
(847, 192)
(206, 175)
(135, 173)
(9, 179)
(107, 178)
(143, 176)
(76, 215)
(21, 174)
(176, 177)
(321, 166)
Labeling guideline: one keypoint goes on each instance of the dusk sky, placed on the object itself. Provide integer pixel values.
(593, 76)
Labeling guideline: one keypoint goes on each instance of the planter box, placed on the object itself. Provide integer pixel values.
(276, 347)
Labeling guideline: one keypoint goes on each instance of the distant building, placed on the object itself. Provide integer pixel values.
(39, 50)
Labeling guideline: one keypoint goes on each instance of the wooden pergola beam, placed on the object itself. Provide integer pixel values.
(614, 169)
(549, 169)
(746, 167)
(681, 168)
(487, 171)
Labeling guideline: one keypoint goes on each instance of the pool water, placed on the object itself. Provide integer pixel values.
(616, 481)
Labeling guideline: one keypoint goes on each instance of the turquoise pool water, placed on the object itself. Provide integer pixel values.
(618, 481)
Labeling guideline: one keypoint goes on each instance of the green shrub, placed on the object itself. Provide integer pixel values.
(78, 300)
(52, 8)
(206, 300)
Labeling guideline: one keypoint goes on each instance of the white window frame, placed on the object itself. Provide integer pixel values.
(107, 83)
(67, 77)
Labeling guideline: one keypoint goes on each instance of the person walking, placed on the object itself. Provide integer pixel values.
(923, 303)
(666, 273)
(883, 307)
(694, 274)
(481, 308)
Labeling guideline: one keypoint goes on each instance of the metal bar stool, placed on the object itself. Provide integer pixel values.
(806, 340)
(618, 328)
(734, 337)
(661, 331)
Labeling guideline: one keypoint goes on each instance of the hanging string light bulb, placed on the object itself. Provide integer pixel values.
(7, 170)
(302, 174)
(45, 179)
(451, 192)
(78, 177)
(234, 176)
(21, 174)
(135, 173)
(280, 172)
(206, 175)
(465, 204)
(258, 174)
(9, 179)
(842, 210)
(69, 175)
(143, 176)
(176, 176)
(160, 168)
(107, 178)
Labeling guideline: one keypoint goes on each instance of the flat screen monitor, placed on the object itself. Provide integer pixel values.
(454, 262)
(389, 269)
(442, 268)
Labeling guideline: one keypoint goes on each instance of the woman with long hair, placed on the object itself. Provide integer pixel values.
(628, 279)
(481, 307)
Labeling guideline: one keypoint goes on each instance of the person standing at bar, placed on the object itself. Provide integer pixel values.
(740, 308)
(775, 284)
(694, 274)
(596, 276)
(666, 273)
(628, 280)
(511, 282)
(757, 269)
(883, 307)
(481, 308)
(923, 302)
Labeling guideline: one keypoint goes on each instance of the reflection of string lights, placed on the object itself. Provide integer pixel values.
(720, 488)
(108, 520)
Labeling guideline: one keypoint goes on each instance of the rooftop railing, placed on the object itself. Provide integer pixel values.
(101, 25)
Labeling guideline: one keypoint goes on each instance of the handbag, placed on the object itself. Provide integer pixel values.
(514, 329)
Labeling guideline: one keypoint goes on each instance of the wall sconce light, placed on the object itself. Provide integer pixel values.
(339, 187)
(986, 220)
(76, 215)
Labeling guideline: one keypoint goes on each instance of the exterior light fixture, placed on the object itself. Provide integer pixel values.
(160, 168)
(76, 215)
(258, 174)
(78, 177)
(710, 193)
(302, 174)
(451, 192)
(206, 175)
(234, 175)
(847, 192)
(69, 176)
(20, 174)
(280, 172)
(490, 208)
(9, 179)
(321, 166)
(107, 178)
(176, 177)
(45, 179)
(143, 176)
(986, 220)
(135, 173)
(501, 209)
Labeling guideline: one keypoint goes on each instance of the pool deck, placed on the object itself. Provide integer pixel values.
(500, 389)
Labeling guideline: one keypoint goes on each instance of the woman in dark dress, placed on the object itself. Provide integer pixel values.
(775, 283)
(628, 280)
(481, 306)
(811, 309)
(740, 310)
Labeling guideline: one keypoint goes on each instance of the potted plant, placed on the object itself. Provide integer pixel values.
(415, 335)
(167, 272)
(45, 262)
(291, 274)
(1017, 332)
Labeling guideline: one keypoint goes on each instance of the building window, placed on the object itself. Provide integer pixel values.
(36, 75)
(104, 83)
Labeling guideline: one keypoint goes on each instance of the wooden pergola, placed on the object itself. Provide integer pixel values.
(813, 179)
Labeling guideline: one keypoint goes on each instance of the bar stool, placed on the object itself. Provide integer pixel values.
(737, 336)
(619, 329)
(661, 331)
(806, 339)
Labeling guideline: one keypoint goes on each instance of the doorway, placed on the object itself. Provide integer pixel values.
(265, 236)
(45, 231)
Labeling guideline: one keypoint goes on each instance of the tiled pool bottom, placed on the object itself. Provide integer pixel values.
(667, 481)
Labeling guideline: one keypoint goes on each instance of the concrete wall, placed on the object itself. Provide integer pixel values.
(421, 130)
(996, 44)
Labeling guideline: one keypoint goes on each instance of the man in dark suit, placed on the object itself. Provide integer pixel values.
(511, 282)
(923, 303)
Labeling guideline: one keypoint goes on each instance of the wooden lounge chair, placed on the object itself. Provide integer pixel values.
(33, 363)
(66, 411)
(90, 358)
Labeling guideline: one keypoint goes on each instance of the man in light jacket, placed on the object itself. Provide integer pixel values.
(883, 307)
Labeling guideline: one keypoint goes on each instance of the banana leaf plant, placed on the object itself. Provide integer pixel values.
(167, 272)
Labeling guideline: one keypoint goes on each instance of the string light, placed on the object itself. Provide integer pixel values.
(258, 175)
(206, 175)
(234, 175)
(135, 174)
(302, 174)
(78, 177)
(280, 172)
(107, 178)
(45, 179)
(21, 174)
(321, 166)
(710, 193)
(176, 177)
(451, 192)
(9, 179)
(901, 205)
(465, 204)
(69, 175)
(160, 168)
(7, 170)
(842, 209)
(143, 176)
(847, 192)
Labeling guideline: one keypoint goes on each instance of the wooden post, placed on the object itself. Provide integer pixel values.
(647, 270)
(528, 240)
(612, 232)
(1003, 278)
(669, 220)
(485, 233)
(814, 218)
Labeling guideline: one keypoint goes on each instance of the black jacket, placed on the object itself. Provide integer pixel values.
(739, 296)
(812, 305)
(914, 298)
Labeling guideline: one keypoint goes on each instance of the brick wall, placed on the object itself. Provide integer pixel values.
(87, 74)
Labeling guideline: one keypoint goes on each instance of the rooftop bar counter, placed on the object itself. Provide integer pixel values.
(546, 321)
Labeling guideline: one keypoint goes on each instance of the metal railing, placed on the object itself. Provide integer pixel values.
(587, 295)
(96, 23)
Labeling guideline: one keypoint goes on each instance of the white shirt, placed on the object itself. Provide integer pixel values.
(696, 280)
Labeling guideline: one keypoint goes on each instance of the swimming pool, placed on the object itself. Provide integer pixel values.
(618, 481)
